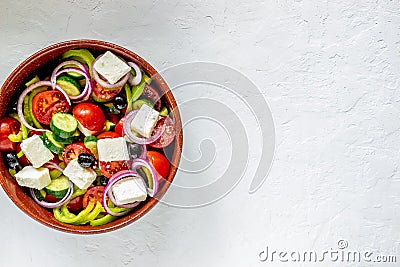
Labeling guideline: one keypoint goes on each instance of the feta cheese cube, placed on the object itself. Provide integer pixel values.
(112, 149)
(111, 67)
(33, 178)
(129, 190)
(35, 151)
(80, 176)
(145, 121)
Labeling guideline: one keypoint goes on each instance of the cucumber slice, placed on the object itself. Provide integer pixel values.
(58, 187)
(91, 143)
(69, 85)
(63, 124)
(139, 103)
(64, 141)
(51, 144)
(39, 194)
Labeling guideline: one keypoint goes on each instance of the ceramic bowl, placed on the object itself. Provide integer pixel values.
(39, 61)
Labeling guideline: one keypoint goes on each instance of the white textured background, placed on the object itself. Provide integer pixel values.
(330, 72)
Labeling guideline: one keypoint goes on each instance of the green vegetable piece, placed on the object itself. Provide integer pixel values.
(103, 220)
(164, 111)
(82, 55)
(69, 85)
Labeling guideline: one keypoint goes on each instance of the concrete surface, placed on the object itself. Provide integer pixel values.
(330, 73)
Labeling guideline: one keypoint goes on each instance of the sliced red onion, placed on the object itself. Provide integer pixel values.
(80, 65)
(106, 84)
(52, 165)
(140, 140)
(138, 163)
(27, 91)
(84, 96)
(107, 192)
(135, 80)
(49, 205)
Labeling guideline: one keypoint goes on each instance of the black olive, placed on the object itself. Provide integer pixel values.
(12, 160)
(135, 150)
(86, 160)
(103, 180)
(120, 102)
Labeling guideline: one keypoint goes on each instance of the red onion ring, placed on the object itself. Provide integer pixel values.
(27, 91)
(138, 163)
(139, 140)
(135, 80)
(84, 96)
(80, 65)
(52, 165)
(107, 192)
(106, 84)
(49, 205)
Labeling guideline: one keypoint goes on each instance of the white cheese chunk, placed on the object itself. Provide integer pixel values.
(112, 149)
(129, 190)
(80, 176)
(145, 120)
(33, 178)
(35, 151)
(111, 67)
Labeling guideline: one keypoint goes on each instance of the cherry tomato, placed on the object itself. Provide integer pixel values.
(76, 204)
(105, 135)
(90, 116)
(33, 132)
(159, 162)
(112, 167)
(8, 126)
(93, 194)
(112, 117)
(50, 198)
(47, 103)
(72, 151)
(101, 94)
(119, 128)
(23, 160)
(169, 134)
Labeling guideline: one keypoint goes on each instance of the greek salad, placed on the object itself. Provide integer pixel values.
(86, 138)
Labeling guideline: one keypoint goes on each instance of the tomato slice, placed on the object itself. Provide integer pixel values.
(72, 151)
(119, 128)
(93, 194)
(90, 116)
(169, 134)
(112, 167)
(8, 126)
(159, 162)
(101, 94)
(47, 103)
(105, 135)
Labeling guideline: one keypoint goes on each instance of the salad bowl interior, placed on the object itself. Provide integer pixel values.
(38, 63)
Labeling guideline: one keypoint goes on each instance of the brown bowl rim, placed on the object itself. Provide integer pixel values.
(14, 81)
